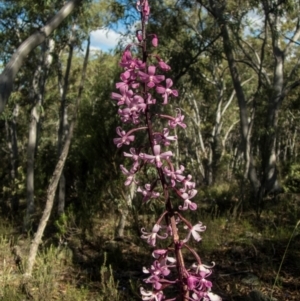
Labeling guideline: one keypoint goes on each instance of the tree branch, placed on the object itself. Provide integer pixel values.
(10, 71)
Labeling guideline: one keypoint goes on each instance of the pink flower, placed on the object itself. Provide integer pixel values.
(157, 269)
(129, 174)
(150, 100)
(161, 255)
(151, 296)
(151, 79)
(164, 137)
(194, 232)
(188, 204)
(151, 237)
(123, 97)
(127, 83)
(174, 175)
(135, 157)
(167, 91)
(178, 120)
(193, 282)
(139, 36)
(126, 55)
(163, 66)
(148, 193)
(143, 7)
(202, 269)
(157, 157)
(133, 64)
(133, 154)
(124, 138)
(146, 10)
(188, 184)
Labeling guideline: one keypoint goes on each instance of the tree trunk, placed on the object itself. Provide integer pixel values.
(49, 203)
(125, 211)
(63, 83)
(11, 126)
(31, 147)
(39, 82)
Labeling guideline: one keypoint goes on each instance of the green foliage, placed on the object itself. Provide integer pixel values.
(291, 181)
(109, 288)
(222, 192)
(61, 224)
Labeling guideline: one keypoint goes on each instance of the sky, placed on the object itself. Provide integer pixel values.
(107, 39)
(104, 39)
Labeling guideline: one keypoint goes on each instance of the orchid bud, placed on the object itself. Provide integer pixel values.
(154, 40)
(139, 36)
(163, 66)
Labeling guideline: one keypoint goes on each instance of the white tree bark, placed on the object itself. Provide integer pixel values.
(63, 83)
(11, 133)
(49, 204)
(39, 82)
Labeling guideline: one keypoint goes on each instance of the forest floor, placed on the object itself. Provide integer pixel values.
(92, 265)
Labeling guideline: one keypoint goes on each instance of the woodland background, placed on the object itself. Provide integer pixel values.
(236, 65)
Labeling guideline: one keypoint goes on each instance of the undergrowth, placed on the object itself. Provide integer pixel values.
(60, 275)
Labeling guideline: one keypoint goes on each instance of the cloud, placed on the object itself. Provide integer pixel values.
(104, 39)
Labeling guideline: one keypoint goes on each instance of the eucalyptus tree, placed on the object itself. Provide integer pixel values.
(20, 19)
(264, 52)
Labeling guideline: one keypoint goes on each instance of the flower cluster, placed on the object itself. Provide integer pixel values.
(142, 81)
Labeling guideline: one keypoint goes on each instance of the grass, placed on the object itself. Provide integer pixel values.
(283, 257)
(91, 266)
